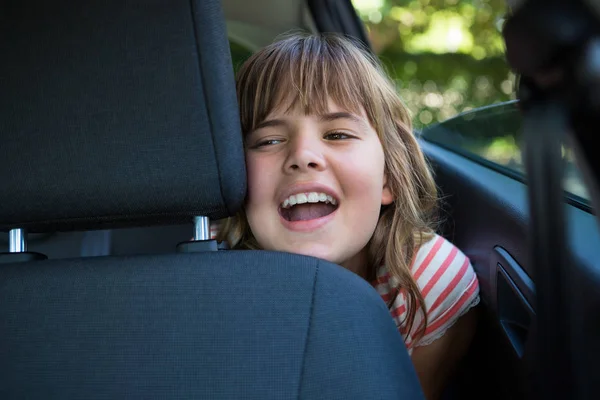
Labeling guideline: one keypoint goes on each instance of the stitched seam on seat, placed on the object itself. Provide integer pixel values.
(207, 104)
(310, 318)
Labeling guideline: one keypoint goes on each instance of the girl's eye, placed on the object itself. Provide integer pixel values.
(267, 142)
(337, 136)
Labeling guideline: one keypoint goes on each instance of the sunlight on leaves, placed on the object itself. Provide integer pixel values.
(364, 7)
(446, 32)
(455, 44)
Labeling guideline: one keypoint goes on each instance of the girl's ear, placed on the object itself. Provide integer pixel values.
(386, 193)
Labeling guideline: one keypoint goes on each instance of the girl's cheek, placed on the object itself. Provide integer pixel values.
(251, 169)
(259, 175)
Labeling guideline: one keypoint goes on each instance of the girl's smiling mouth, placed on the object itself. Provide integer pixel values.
(307, 211)
(307, 206)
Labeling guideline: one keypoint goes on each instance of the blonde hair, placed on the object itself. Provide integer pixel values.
(329, 66)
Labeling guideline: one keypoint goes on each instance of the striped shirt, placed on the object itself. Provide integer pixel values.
(448, 285)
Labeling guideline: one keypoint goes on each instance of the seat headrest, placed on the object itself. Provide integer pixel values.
(116, 113)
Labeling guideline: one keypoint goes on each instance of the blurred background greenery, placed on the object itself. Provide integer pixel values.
(445, 56)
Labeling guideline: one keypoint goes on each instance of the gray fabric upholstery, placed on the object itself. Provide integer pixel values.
(116, 113)
(226, 325)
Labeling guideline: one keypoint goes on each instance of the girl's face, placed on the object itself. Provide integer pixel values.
(316, 184)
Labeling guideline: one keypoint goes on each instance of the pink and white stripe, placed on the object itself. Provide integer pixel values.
(448, 284)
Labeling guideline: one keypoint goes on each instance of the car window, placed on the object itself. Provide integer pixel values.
(494, 136)
(446, 58)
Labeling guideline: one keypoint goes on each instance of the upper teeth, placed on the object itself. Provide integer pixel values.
(312, 197)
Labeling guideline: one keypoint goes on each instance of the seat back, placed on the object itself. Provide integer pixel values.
(123, 114)
(215, 325)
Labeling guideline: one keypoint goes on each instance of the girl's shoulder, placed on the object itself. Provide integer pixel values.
(438, 261)
(448, 284)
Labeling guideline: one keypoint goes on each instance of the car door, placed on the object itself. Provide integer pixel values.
(488, 216)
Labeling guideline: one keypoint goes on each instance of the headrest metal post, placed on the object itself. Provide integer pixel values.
(17, 241)
(201, 228)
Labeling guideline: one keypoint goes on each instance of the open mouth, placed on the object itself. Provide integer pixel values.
(307, 206)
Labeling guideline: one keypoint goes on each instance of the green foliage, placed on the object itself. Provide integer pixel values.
(446, 56)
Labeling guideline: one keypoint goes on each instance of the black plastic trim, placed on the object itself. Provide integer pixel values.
(11, 258)
(197, 246)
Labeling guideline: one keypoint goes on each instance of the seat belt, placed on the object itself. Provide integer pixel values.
(554, 45)
(544, 131)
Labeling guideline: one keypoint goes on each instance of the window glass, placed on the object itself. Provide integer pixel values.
(495, 134)
(446, 58)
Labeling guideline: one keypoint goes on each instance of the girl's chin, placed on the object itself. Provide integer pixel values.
(317, 250)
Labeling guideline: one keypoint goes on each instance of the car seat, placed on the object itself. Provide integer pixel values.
(122, 114)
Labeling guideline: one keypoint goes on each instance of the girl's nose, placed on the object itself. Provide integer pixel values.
(305, 154)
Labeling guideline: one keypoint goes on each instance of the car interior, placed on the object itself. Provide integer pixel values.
(120, 143)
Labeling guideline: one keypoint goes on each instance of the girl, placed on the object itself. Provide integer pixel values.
(335, 172)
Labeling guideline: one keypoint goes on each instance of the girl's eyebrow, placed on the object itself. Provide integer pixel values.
(322, 118)
(343, 115)
(269, 123)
